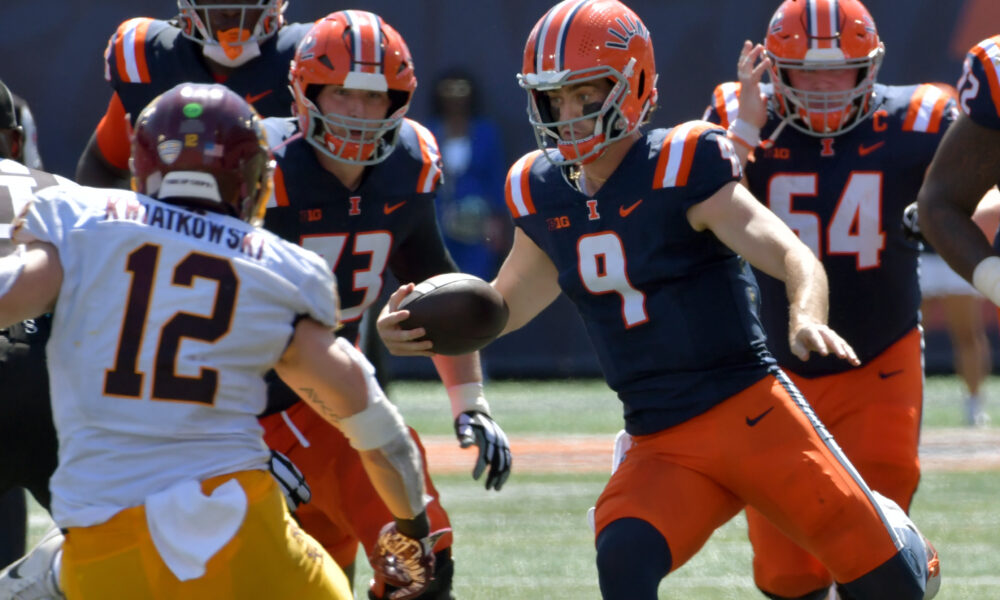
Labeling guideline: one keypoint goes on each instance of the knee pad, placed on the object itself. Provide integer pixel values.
(632, 558)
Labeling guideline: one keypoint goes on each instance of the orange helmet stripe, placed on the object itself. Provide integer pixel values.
(517, 192)
(824, 25)
(988, 53)
(366, 41)
(549, 49)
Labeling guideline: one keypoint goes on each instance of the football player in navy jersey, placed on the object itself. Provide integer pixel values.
(842, 159)
(966, 165)
(652, 237)
(244, 44)
(355, 182)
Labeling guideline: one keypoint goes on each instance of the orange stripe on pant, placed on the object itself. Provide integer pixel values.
(757, 448)
(874, 414)
(270, 557)
(345, 508)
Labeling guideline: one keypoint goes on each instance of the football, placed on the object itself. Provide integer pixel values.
(460, 313)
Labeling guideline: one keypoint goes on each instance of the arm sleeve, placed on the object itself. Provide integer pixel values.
(112, 134)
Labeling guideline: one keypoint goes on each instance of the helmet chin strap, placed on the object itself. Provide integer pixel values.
(217, 54)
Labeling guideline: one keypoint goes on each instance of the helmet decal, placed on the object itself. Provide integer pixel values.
(578, 41)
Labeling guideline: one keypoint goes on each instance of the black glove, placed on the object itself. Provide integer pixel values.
(473, 427)
(911, 228)
(290, 479)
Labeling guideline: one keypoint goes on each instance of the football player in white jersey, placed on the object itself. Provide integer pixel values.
(27, 437)
(172, 306)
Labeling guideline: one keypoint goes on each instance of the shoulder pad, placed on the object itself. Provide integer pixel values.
(125, 55)
(517, 192)
(979, 87)
(928, 105)
(677, 152)
(279, 195)
(430, 156)
(725, 104)
(279, 131)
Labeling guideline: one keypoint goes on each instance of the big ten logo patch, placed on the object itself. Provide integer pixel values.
(311, 215)
(557, 223)
(778, 153)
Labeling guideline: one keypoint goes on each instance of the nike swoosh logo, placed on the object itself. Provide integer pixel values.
(755, 420)
(251, 99)
(889, 374)
(624, 212)
(15, 571)
(866, 150)
(391, 208)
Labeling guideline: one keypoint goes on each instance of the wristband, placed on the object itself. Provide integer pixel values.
(417, 528)
(744, 133)
(986, 278)
(468, 396)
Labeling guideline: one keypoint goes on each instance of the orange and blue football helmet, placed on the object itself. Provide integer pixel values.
(816, 35)
(584, 40)
(230, 33)
(357, 50)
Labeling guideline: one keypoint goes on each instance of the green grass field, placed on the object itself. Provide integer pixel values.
(531, 540)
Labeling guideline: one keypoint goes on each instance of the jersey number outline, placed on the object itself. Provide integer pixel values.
(125, 379)
(968, 78)
(603, 270)
(376, 244)
(856, 225)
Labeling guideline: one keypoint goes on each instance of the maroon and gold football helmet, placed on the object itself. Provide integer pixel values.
(584, 40)
(359, 51)
(201, 145)
(818, 35)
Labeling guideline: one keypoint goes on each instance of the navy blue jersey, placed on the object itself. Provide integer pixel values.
(979, 87)
(388, 221)
(671, 312)
(146, 57)
(844, 196)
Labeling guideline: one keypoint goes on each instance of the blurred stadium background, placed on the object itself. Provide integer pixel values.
(55, 49)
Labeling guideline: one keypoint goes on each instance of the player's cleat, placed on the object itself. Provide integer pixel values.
(36, 576)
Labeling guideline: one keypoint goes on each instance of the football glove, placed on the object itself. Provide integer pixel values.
(403, 566)
(473, 427)
(290, 479)
(911, 229)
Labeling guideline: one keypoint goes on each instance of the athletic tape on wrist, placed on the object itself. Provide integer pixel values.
(468, 396)
(986, 278)
(745, 133)
(379, 423)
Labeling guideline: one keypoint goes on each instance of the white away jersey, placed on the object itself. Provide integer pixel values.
(165, 324)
